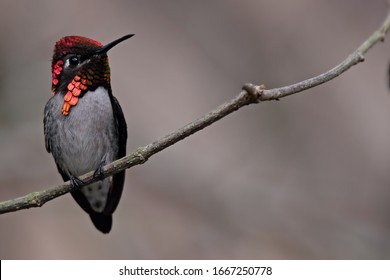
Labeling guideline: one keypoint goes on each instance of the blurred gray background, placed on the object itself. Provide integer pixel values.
(305, 177)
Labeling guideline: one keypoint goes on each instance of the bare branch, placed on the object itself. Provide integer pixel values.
(250, 94)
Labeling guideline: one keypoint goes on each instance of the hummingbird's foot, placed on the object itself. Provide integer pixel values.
(99, 174)
(76, 182)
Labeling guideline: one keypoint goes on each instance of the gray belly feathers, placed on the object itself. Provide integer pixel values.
(82, 140)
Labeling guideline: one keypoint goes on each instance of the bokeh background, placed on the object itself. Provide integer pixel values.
(307, 177)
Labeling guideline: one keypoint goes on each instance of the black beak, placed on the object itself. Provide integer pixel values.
(107, 47)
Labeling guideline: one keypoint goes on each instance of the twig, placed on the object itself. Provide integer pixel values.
(250, 94)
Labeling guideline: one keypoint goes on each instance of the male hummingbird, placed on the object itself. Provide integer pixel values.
(84, 124)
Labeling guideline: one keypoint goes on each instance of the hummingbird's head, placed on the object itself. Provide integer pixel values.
(80, 64)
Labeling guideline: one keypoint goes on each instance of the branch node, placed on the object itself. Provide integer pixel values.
(382, 34)
(140, 156)
(361, 57)
(254, 91)
(35, 199)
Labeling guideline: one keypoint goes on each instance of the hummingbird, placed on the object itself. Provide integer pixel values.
(84, 125)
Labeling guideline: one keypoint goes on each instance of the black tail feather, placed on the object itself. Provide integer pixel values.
(102, 222)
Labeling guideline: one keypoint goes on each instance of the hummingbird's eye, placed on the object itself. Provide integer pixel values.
(72, 61)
